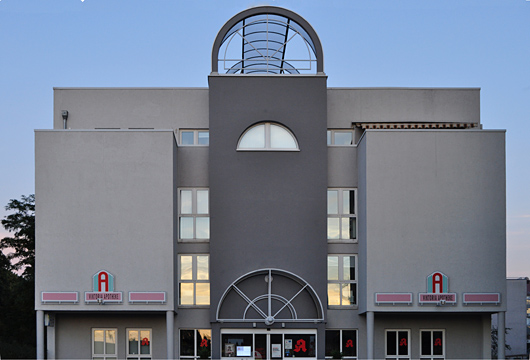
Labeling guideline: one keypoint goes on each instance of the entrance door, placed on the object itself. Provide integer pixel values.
(246, 344)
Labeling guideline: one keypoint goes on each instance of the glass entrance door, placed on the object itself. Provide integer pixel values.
(270, 345)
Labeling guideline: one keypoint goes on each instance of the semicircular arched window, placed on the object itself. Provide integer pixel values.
(267, 136)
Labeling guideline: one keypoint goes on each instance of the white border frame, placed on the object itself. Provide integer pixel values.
(432, 357)
(193, 281)
(139, 356)
(267, 130)
(342, 281)
(340, 215)
(104, 355)
(408, 356)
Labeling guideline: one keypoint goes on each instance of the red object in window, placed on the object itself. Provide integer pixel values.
(145, 341)
(349, 343)
(204, 343)
(403, 342)
(438, 342)
(103, 279)
(300, 346)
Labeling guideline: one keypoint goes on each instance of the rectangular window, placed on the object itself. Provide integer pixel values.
(194, 214)
(104, 344)
(139, 344)
(340, 137)
(195, 343)
(397, 344)
(432, 344)
(342, 280)
(190, 137)
(341, 343)
(342, 214)
(194, 280)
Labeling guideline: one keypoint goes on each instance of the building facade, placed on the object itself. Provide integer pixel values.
(269, 216)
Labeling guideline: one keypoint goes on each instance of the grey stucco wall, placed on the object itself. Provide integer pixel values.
(268, 208)
(408, 105)
(73, 333)
(434, 201)
(105, 201)
(158, 108)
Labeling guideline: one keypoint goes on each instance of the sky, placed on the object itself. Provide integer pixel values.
(367, 43)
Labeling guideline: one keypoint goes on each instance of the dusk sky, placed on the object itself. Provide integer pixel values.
(367, 43)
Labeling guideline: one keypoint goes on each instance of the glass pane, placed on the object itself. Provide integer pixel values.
(110, 342)
(348, 294)
(204, 343)
(438, 346)
(333, 268)
(276, 346)
(187, 342)
(202, 267)
(348, 202)
(186, 228)
(353, 228)
(391, 343)
(343, 137)
(186, 202)
(254, 138)
(345, 228)
(260, 346)
(329, 142)
(98, 341)
(204, 137)
(202, 201)
(281, 138)
(349, 267)
(186, 267)
(133, 342)
(187, 137)
(203, 293)
(349, 342)
(403, 347)
(333, 294)
(186, 294)
(236, 345)
(333, 228)
(332, 342)
(202, 227)
(145, 342)
(425, 343)
(303, 345)
(333, 202)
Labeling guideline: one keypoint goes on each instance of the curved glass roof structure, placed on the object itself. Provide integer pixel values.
(267, 40)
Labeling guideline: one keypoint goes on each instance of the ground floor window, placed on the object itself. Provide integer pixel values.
(268, 345)
(139, 344)
(432, 344)
(104, 344)
(195, 343)
(397, 344)
(341, 344)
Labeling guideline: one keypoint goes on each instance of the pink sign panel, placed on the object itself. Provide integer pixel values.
(393, 298)
(147, 297)
(431, 298)
(103, 297)
(482, 298)
(59, 297)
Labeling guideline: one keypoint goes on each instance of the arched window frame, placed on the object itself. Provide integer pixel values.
(268, 141)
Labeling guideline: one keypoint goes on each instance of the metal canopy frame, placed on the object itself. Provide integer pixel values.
(263, 35)
(269, 318)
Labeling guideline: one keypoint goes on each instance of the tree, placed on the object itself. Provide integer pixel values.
(22, 224)
(17, 314)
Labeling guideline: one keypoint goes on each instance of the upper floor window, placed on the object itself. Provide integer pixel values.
(194, 218)
(342, 214)
(190, 137)
(194, 280)
(342, 280)
(340, 137)
(267, 136)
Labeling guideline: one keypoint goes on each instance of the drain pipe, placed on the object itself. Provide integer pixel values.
(65, 117)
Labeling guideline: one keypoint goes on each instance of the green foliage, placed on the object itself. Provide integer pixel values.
(22, 224)
(336, 354)
(17, 315)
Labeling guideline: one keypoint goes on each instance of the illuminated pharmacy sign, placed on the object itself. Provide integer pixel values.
(437, 290)
(103, 289)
